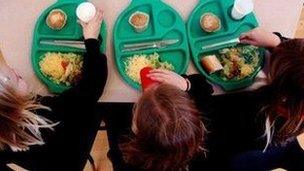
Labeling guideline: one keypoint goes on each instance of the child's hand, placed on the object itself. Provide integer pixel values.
(168, 77)
(92, 28)
(261, 38)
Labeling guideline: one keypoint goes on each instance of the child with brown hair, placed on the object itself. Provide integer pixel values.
(235, 122)
(239, 120)
(168, 130)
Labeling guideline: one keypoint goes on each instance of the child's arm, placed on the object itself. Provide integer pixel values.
(261, 38)
(94, 74)
(196, 85)
(200, 90)
(289, 157)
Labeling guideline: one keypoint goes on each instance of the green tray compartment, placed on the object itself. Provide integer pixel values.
(71, 31)
(230, 29)
(164, 23)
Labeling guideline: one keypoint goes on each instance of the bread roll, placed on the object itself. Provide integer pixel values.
(210, 22)
(56, 19)
(211, 64)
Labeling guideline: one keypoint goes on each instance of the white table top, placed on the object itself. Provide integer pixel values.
(18, 19)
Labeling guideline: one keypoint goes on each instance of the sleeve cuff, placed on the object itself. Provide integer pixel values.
(92, 41)
(280, 36)
(92, 44)
(199, 83)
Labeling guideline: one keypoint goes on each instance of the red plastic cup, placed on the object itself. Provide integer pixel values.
(146, 82)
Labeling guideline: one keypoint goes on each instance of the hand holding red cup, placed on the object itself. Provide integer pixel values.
(146, 82)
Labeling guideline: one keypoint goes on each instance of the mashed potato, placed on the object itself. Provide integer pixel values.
(62, 68)
(134, 64)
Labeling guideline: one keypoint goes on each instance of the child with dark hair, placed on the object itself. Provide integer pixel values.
(235, 122)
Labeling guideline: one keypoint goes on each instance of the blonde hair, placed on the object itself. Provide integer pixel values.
(19, 125)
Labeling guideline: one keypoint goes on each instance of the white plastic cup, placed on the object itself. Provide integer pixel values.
(86, 11)
(241, 8)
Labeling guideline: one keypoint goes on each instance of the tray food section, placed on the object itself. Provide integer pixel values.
(59, 22)
(230, 65)
(149, 33)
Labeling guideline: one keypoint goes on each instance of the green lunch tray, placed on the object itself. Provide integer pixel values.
(230, 29)
(71, 31)
(165, 23)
